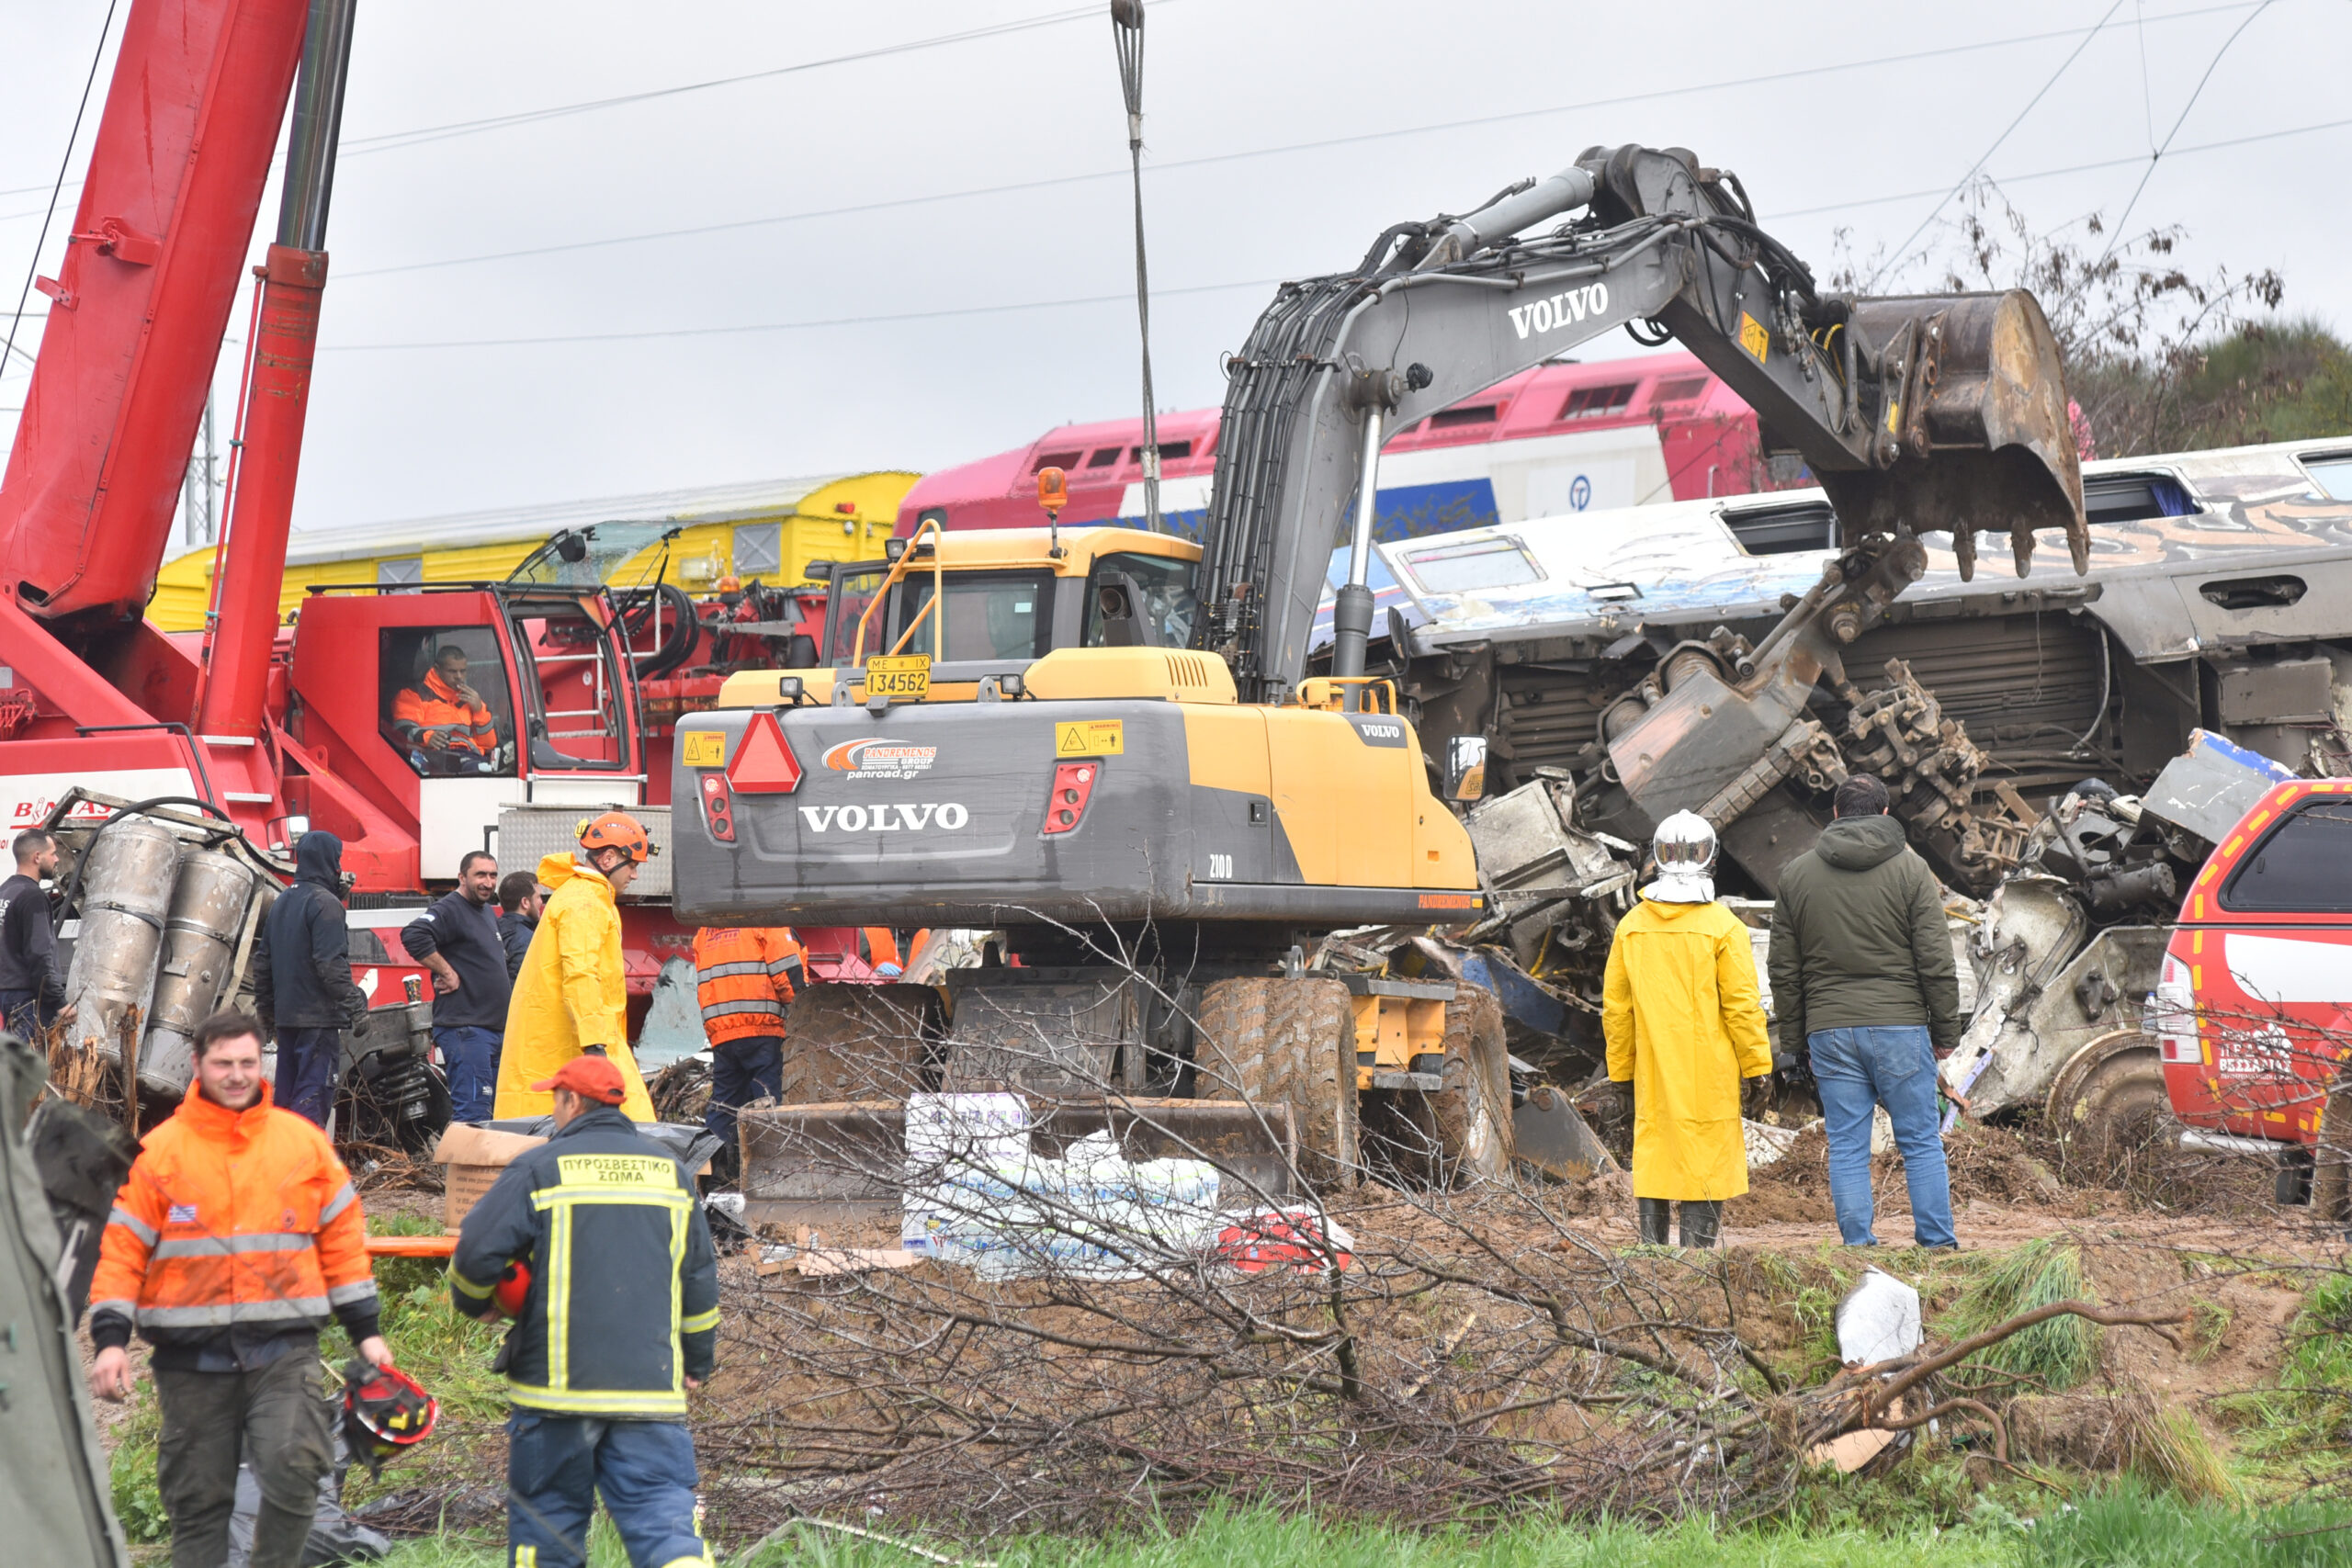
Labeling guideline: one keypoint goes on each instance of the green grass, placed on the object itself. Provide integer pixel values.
(2126, 1527)
(2305, 1423)
(2058, 1352)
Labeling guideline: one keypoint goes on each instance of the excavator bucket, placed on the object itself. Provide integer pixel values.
(1974, 428)
(844, 1165)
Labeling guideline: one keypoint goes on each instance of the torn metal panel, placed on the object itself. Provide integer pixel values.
(2209, 788)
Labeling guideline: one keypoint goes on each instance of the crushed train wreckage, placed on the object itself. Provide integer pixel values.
(2067, 750)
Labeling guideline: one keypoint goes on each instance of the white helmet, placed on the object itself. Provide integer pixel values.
(1685, 851)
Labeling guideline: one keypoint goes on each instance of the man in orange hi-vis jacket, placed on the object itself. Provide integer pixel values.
(745, 977)
(236, 1236)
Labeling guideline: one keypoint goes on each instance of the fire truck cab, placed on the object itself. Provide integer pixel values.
(2253, 1008)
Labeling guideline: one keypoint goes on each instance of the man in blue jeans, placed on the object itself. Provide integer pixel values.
(458, 939)
(1863, 979)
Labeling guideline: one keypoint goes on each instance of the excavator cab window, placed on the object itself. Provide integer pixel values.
(1137, 601)
(445, 702)
(990, 614)
(572, 689)
(852, 589)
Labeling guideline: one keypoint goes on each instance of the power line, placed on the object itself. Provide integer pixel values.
(1987, 155)
(32, 265)
(1014, 188)
(389, 140)
(657, 334)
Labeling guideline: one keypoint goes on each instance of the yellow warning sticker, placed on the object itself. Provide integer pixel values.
(1753, 337)
(702, 748)
(1090, 738)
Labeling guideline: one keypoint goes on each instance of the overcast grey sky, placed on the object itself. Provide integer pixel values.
(961, 319)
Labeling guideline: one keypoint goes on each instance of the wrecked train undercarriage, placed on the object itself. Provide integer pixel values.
(1578, 678)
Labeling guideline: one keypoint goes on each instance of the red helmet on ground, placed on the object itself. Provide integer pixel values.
(617, 830)
(384, 1411)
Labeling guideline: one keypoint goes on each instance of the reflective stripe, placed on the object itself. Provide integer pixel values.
(120, 1309)
(701, 1322)
(227, 1245)
(466, 1287)
(560, 1197)
(339, 1202)
(702, 1561)
(771, 1007)
(645, 1401)
(785, 966)
(133, 1223)
(239, 1311)
(721, 971)
(343, 1295)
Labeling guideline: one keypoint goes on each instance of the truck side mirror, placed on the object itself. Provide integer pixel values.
(1465, 767)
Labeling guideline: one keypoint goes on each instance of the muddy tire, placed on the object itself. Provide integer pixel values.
(2331, 1172)
(2107, 1106)
(857, 1043)
(1471, 1115)
(1286, 1042)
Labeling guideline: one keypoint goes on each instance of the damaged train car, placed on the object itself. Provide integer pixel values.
(1578, 678)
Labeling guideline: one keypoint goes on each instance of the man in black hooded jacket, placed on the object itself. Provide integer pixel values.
(302, 981)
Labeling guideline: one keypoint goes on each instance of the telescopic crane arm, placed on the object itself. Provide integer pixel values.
(1914, 412)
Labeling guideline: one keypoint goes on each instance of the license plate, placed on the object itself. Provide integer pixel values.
(903, 677)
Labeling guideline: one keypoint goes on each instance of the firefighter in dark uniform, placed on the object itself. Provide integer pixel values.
(612, 1285)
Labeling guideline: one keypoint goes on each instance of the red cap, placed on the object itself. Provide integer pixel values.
(591, 1077)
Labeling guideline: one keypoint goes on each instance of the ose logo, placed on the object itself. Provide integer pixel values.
(1561, 310)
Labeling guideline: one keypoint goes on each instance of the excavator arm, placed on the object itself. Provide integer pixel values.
(1914, 413)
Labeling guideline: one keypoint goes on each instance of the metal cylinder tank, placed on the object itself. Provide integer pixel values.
(126, 896)
(200, 933)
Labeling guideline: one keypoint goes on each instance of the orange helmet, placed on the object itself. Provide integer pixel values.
(618, 830)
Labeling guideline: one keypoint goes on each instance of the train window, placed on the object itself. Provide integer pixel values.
(443, 702)
(759, 549)
(1055, 460)
(1168, 450)
(400, 573)
(2134, 498)
(2304, 865)
(1599, 402)
(990, 614)
(2333, 474)
(1496, 563)
(1104, 456)
(1453, 418)
(1783, 530)
(1681, 391)
(1151, 594)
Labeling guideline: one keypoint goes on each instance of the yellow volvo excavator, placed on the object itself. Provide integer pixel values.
(1104, 745)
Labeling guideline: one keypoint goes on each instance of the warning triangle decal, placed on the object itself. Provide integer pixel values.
(764, 763)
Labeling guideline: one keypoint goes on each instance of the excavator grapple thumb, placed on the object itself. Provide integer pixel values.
(1971, 424)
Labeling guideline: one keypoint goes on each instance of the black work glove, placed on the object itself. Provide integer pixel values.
(1753, 1094)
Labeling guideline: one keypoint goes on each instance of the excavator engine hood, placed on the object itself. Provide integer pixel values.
(1972, 426)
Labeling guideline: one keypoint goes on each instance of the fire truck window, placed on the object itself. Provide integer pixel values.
(2303, 866)
(1162, 610)
(444, 701)
(572, 689)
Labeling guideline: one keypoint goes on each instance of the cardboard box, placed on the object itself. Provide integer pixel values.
(472, 1157)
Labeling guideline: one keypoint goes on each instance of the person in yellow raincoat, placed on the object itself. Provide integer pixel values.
(572, 992)
(1679, 1010)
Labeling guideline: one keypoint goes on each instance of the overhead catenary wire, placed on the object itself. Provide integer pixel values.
(1094, 299)
(32, 265)
(1895, 256)
(1770, 78)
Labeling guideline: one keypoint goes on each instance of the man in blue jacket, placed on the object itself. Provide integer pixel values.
(616, 1319)
(302, 984)
(458, 939)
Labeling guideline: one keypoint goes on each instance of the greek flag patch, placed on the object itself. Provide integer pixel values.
(181, 1214)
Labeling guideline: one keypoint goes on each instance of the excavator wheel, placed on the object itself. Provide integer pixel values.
(857, 1043)
(2109, 1101)
(1286, 1040)
(1472, 1113)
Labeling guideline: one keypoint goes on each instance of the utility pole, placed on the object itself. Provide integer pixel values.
(1127, 32)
